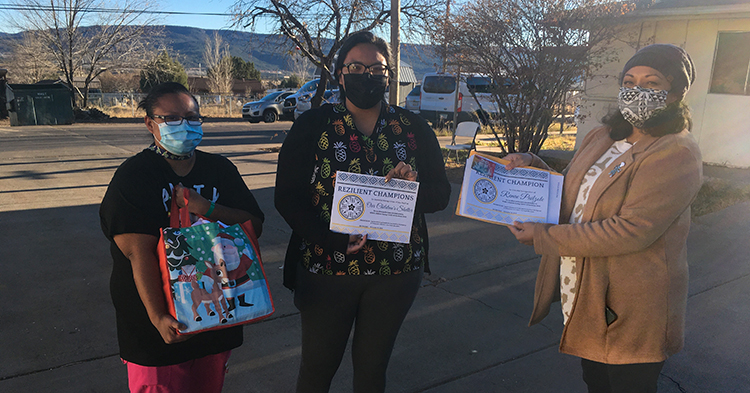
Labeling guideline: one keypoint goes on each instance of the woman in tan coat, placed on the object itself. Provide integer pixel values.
(617, 261)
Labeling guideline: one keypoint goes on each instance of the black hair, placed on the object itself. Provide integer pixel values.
(360, 37)
(671, 120)
(160, 90)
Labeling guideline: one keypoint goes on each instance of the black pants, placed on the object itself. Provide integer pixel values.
(330, 305)
(621, 378)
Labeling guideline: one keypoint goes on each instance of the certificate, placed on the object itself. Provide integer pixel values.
(364, 204)
(491, 193)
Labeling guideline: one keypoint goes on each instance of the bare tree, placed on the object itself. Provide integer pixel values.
(534, 51)
(319, 27)
(115, 38)
(299, 65)
(119, 82)
(219, 64)
(30, 62)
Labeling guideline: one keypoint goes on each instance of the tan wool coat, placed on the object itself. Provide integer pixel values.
(630, 249)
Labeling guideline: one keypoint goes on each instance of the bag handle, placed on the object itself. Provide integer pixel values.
(247, 226)
(179, 217)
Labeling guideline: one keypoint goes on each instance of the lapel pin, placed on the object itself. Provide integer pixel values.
(616, 170)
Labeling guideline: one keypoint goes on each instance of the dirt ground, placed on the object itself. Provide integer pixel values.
(455, 173)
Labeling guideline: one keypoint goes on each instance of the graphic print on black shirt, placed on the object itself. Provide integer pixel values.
(137, 201)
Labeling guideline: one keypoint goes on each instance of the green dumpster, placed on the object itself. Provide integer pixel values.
(3, 82)
(39, 104)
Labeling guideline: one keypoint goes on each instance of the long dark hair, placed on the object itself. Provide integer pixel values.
(360, 37)
(160, 91)
(671, 120)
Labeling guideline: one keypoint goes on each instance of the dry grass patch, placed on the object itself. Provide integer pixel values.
(564, 142)
(122, 112)
(207, 110)
(717, 194)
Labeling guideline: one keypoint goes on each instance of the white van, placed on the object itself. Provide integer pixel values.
(439, 96)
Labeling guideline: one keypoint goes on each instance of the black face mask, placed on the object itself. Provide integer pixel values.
(365, 90)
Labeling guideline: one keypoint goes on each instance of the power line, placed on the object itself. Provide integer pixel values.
(16, 7)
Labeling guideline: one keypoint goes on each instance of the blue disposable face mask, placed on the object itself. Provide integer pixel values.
(180, 140)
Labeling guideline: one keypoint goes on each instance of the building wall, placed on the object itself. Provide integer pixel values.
(721, 122)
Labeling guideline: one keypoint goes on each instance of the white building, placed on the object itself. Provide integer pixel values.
(716, 34)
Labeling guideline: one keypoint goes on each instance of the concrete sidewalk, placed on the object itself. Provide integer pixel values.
(467, 331)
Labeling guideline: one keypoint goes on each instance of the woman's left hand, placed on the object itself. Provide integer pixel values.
(197, 204)
(523, 231)
(401, 171)
(516, 160)
(356, 242)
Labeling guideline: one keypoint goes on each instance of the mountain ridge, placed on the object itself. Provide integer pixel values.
(269, 52)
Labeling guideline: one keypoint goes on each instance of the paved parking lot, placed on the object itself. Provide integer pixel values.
(466, 332)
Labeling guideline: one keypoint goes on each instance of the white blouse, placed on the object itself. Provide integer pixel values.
(568, 278)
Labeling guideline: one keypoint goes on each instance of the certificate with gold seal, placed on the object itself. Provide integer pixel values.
(493, 194)
(365, 204)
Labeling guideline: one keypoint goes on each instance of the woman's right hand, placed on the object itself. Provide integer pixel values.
(168, 326)
(518, 159)
(356, 242)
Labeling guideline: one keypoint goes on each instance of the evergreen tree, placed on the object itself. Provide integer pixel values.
(162, 69)
(242, 69)
(293, 82)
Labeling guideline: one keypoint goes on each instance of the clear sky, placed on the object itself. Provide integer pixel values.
(201, 21)
(198, 6)
(195, 6)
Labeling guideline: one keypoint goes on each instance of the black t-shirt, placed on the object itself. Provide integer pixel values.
(138, 200)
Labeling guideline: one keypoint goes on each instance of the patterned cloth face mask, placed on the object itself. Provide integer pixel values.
(638, 104)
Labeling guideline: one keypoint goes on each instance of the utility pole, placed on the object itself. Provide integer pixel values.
(445, 25)
(456, 92)
(395, 50)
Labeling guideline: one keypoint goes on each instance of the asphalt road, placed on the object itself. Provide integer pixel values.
(466, 332)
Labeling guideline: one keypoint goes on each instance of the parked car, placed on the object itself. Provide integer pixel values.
(304, 102)
(438, 97)
(268, 108)
(329, 97)
(413, 99)
(307, 90)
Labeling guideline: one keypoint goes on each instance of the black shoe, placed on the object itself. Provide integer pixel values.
(242, 301)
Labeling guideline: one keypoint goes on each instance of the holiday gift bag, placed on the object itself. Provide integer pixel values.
(212, 273)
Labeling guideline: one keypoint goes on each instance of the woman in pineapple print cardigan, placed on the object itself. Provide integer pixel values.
(342, 280)
(618, 261)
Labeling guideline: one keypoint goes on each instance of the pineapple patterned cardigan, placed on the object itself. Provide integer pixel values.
(325, 140)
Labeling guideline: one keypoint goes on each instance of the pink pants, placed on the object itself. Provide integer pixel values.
(204, 375)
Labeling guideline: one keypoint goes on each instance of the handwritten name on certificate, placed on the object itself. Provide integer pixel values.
(364, 204)
(493, 194)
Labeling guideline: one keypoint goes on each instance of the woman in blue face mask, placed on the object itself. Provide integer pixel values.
(342, 281)
(176, 135)
(617, 261)
(135, 207)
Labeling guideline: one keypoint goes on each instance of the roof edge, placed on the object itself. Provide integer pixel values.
(730, 10)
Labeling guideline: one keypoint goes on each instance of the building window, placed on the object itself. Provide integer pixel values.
(731, 64)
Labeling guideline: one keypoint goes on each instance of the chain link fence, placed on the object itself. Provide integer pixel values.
(126, 104)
